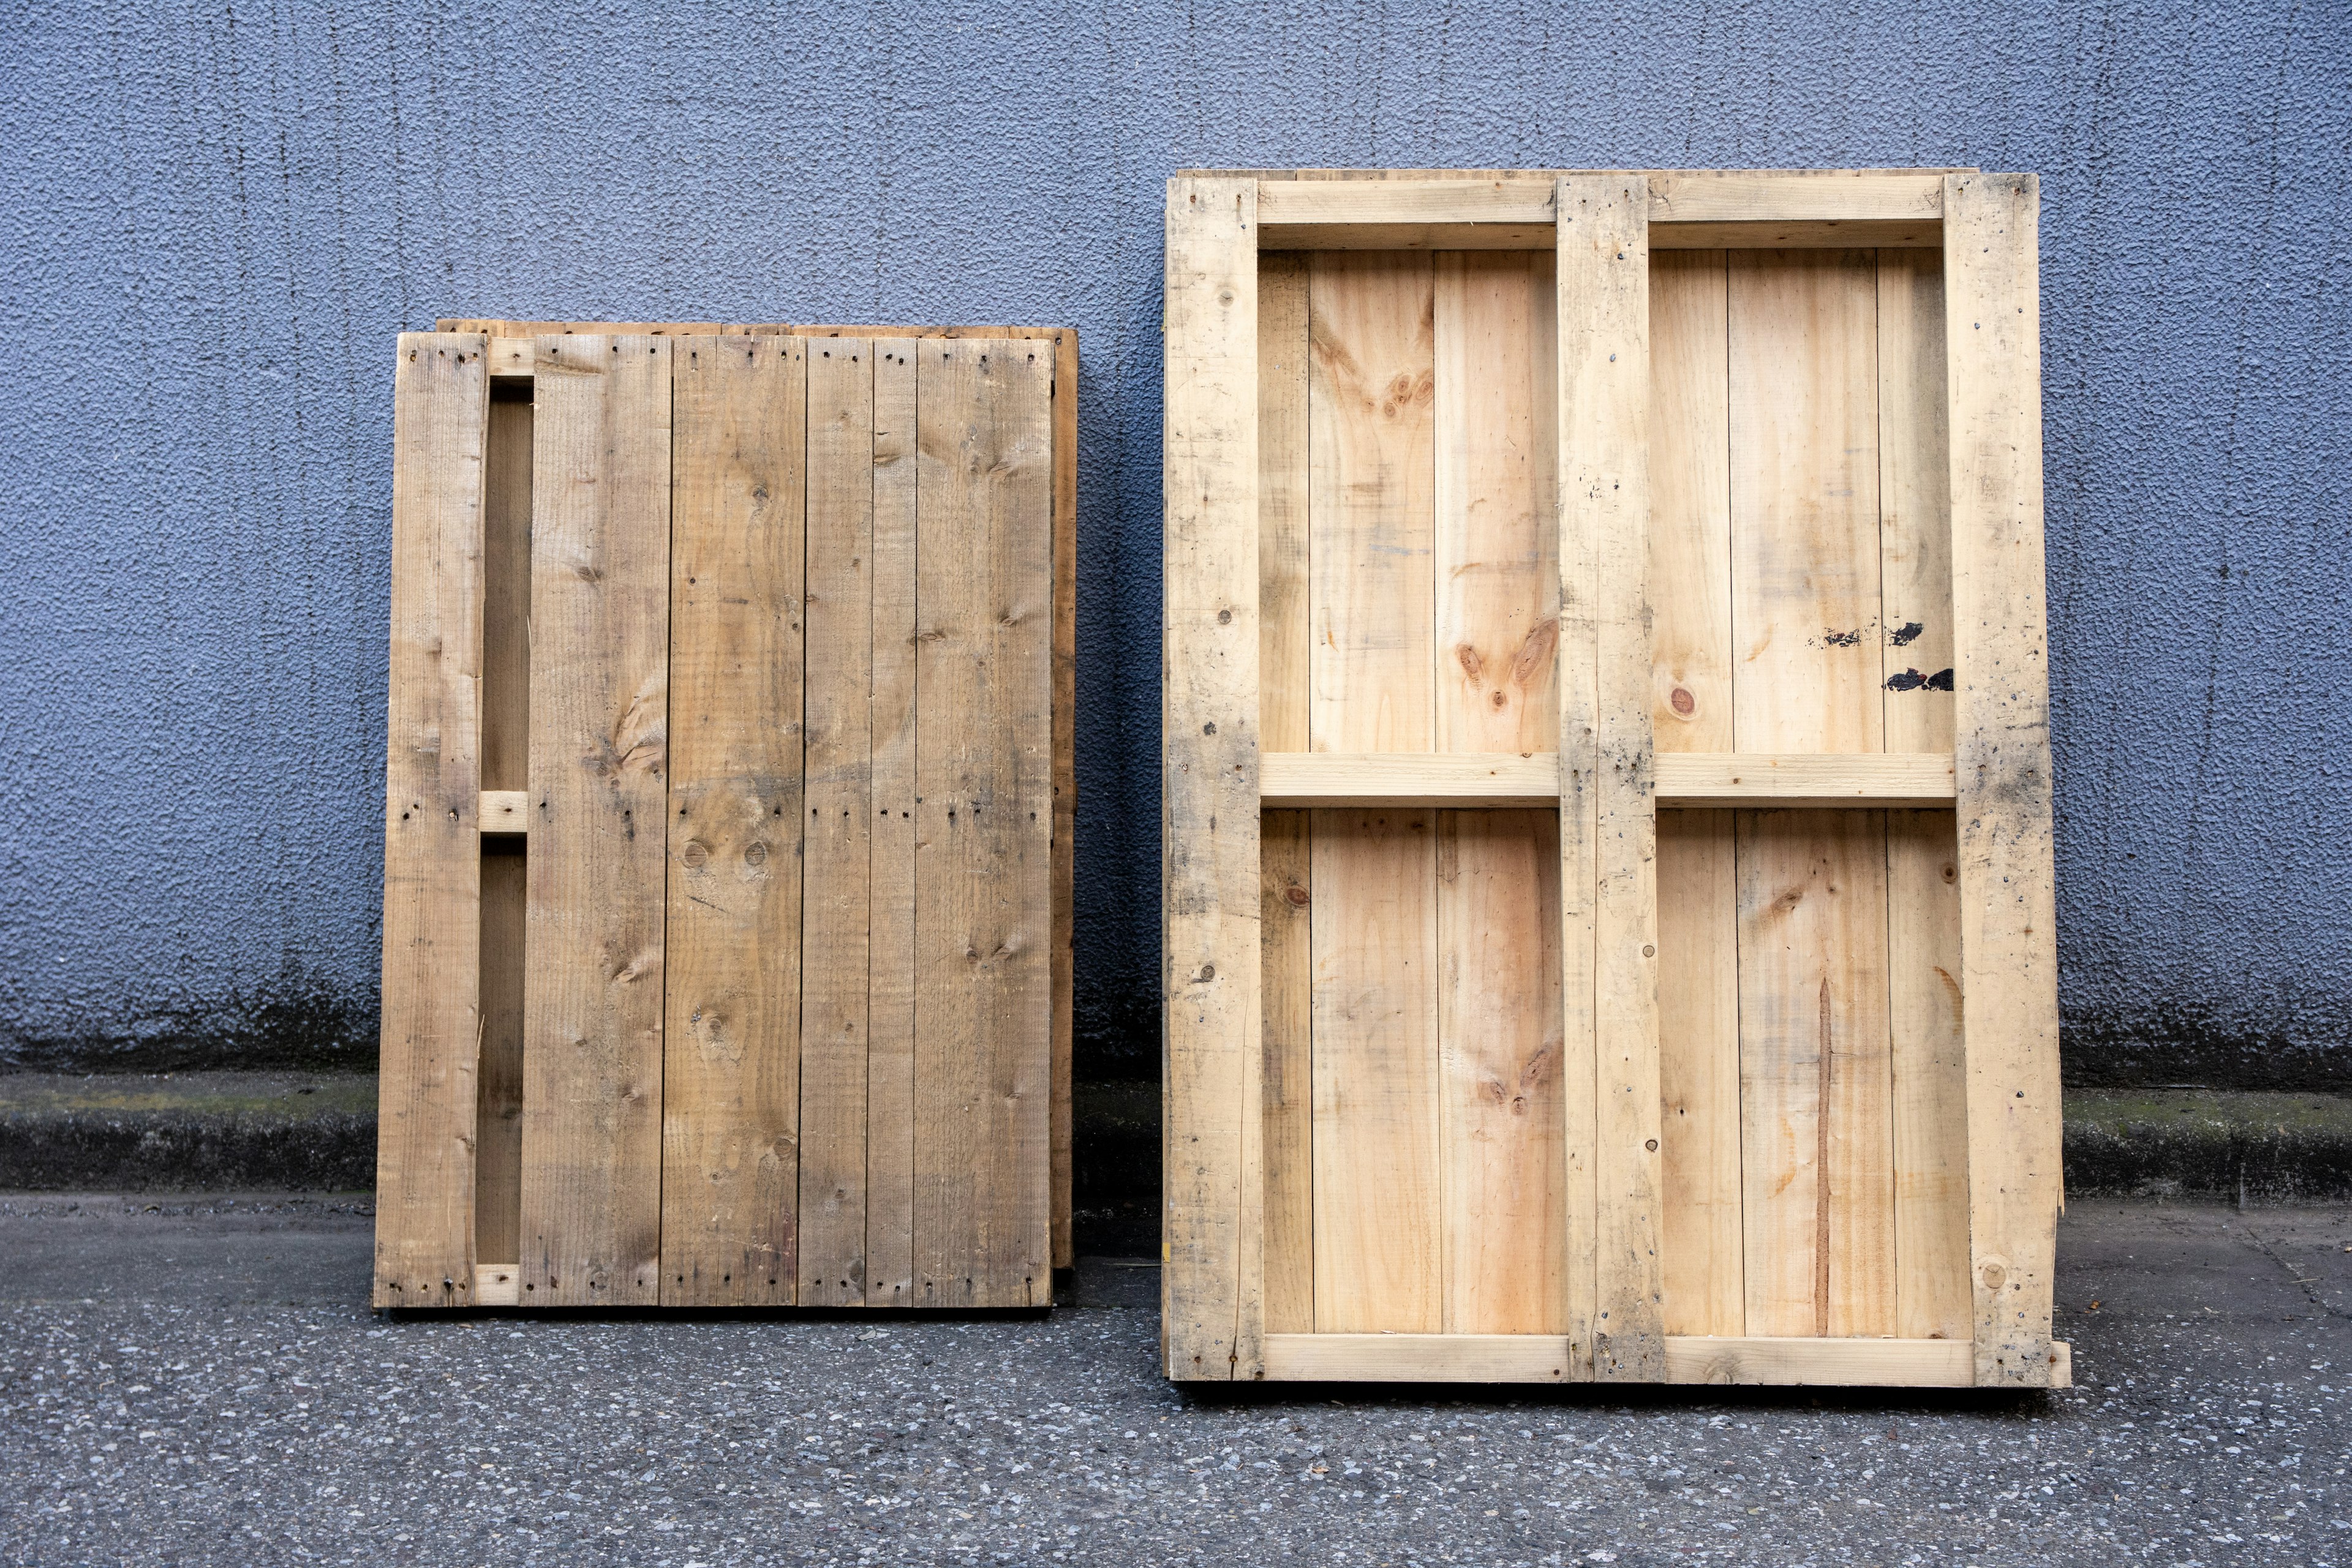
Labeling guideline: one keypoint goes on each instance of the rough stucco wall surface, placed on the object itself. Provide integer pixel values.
(216, 218)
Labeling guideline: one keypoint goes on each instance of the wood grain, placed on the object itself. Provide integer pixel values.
(1211, 1324)
(591, 1133)
(1377, 1184)
(1804, 502)
(1698, 1074)
(1690, 503)
(1930, 1105)
(732, 1051)
(984, 769)
(1289, 1104)
(1914, 508)
(890, 1112)
(1065, 393)
(840, 815)
(2008, 941)
(432, 863)
(1505, 1182)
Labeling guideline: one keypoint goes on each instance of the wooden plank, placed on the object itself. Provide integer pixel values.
(837, 963)
(497, 1285)
(431, 875)
(1690, 504)
(1930, 1121)
(1065, 768)
(505, 812)
(1417, 1358)
(599, 766)
(1378, 1203)
(1407, 778)
(1911, 234)
(1914, 506)
(1545, 1358)
(498, 1116)
(1284, 631)
(1747, 778)
(1698, 1074)
(1804, 502)
(1608, 244)
(1289, 1104)
(505, 809)
(732, 1031)
(890, 1044)
(1292, 779)
(1409, 236)
(1496, 536)
(1796, 196)
(983, 814)
(1371, 674)
(1209, 882)
(1816, 1142)
(1462, 201)
(1505, 1198)
(2008, 945)
(1820, 1363)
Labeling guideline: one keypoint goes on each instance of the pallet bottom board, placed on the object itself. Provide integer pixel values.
(1545, 1358)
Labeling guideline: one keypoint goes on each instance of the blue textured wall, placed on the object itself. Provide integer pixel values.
(216, 219)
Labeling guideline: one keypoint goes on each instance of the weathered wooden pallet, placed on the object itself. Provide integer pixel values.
(729, 809)
(1606, 739)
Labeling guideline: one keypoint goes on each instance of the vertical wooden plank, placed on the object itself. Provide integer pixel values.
(592, 1139)
(432, 860)
(1496, 536)
(1804, 502)
(1699, 1073)
(1816, 1145)
(1504, 1220)
(1210, 1320)
(1371, 316)
(1931, 1128)
(890, 1045)
(1377, 1183)
(1690, 504)
(1604, 407)
(1914, 507)
(983, 813)
(2008, 943)
(1284, 639)
(1065, 767)
(731, 1091)
(506, 765)
(840, 815)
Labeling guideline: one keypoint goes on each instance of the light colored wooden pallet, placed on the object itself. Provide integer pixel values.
(1432, 598)
(746, 1057)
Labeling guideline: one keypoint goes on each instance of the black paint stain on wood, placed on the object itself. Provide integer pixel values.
(1912, 681)
(1906, 635)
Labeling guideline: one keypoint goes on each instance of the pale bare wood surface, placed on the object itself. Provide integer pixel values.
(2007, 915)
(497, 1285)
(1817, 1148)
(1612, 481)
(1930, 1106)
(505, 812)
(1690, 504)
(1857, 779)
(1804, 502)
(890, 1095)
(1698, 1074)
(1378, 1194)
(1293, 779)
(1283, 623)
(1505, 1198)
(1914, 507)
(1496, 537)
(731, 1034)
(1838, 195)
(984, 790)
(1545, 1358)
(432, 876)
(1289, 1104)
(1210, 885)
(1371, 673)
(1065, 389)
(1407, 778)
(837, 963)
(591, 1155)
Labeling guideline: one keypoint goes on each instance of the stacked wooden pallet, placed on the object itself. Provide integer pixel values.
(728, 839)
(1589, 597)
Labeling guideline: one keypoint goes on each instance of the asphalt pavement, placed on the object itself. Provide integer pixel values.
(199, 1381)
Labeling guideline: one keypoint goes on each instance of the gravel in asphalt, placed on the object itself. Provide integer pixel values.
(199, 1382)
